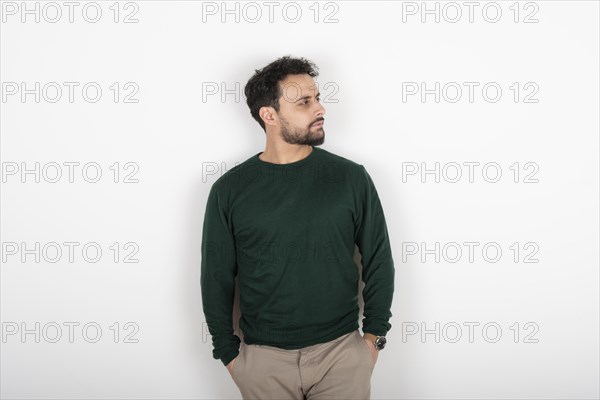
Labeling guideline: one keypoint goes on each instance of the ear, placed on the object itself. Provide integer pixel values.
(268, 115)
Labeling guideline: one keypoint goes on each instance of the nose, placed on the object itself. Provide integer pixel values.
(320, 110)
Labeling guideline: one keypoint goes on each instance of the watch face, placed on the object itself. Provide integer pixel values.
(380, 342)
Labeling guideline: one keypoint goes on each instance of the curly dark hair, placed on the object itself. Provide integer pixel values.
(263, 90)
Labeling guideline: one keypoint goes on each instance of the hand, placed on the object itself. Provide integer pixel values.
(374, 351)
(231, 364)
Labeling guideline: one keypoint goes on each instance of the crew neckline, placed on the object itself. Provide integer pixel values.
(305, 160)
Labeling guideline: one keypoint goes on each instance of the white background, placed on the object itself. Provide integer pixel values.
(174, 136)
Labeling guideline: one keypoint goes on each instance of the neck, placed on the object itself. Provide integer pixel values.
(285, 153)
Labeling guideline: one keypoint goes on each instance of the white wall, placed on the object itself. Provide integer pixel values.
(370, 60)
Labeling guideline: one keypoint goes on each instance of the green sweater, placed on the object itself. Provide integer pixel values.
(288, 232)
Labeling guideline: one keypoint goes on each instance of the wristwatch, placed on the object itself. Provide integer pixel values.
(380, 342)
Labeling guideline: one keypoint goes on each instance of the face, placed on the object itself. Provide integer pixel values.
(300, 111)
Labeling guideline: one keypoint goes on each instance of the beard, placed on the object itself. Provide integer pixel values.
(309, 136)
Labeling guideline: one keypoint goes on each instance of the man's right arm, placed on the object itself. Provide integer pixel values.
(217, 277)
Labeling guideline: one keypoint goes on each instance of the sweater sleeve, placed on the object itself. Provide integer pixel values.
(371, 236)
(217, 278)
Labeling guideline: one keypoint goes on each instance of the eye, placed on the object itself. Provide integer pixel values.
(318, 100)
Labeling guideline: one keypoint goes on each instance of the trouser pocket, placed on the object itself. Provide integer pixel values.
(365, 349)
(237, 365)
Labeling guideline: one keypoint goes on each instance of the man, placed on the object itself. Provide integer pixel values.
(286, 221)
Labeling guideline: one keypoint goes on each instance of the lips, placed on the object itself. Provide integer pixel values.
(320, 123)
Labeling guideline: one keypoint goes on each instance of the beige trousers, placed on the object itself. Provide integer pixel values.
(338, 369)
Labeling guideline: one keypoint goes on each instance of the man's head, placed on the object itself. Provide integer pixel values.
(284, 99)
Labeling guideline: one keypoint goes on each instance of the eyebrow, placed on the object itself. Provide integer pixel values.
(307, 97)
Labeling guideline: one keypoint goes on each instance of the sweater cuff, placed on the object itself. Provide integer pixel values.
(227, 358)
(378, 327)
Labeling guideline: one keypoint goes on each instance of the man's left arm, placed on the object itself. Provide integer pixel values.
(371, 236)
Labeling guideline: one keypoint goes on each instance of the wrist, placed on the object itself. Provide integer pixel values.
(370, 338)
